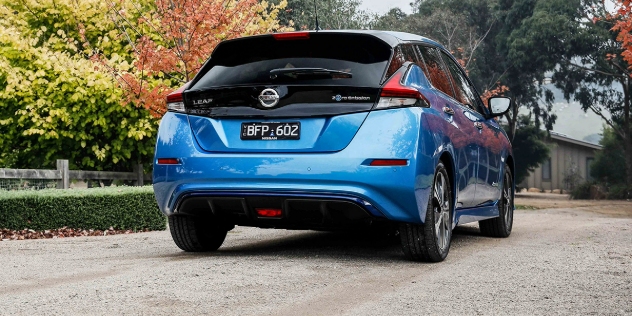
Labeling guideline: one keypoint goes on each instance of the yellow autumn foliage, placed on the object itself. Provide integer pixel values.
(67, 72)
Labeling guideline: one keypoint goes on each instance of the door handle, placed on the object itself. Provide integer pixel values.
(478, 125)
(448, 110)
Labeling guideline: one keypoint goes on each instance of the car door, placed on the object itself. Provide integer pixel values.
(457, 127)
(486, 136)
(490, 151)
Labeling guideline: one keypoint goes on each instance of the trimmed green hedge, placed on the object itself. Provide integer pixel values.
(124, 208)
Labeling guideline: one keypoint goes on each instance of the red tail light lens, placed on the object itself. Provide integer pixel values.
(175, 96)
(394, 94)
(389, 162)
(168, 161)
(269, 212)
(394, 88)
(175, 100)
(291, 36)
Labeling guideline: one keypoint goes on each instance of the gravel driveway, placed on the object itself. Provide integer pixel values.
(557, 261)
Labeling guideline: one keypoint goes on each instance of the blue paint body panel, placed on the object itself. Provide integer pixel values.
(317, 134)
(397, 193)
(394, 191)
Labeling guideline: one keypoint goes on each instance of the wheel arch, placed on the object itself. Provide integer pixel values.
(448, 161)
(512, 167)
(510, 162)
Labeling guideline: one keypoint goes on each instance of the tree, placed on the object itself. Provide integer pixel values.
(170, 41)
(53, 103)
(529, 148)
(609, 164)
(332, 15)
(450, 28)
(588, 50)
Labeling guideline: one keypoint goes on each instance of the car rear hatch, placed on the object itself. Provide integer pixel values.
(288, 92)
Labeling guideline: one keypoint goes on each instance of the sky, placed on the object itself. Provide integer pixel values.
(383, 6)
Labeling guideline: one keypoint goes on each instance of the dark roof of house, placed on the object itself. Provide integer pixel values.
(567, 139)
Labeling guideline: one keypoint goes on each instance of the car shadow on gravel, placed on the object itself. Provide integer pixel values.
(330, 245)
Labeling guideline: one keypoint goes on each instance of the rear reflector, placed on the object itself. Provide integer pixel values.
(168, 161)
(291, 36)
(389, 162)
(268, 212)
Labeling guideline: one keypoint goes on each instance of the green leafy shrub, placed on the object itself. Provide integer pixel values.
(55, 101)
(582, 191)
(609, 164)
(619, 192)
(123, 208)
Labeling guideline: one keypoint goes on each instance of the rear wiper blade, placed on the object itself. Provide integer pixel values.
(309, 72)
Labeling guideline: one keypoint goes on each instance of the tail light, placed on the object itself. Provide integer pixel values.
(175, 100)
(291, 36)
(394, 94)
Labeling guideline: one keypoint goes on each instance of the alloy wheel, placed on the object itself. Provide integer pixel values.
(507, 200)
(441, 211)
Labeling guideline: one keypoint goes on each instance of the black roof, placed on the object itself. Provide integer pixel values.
(389, 37)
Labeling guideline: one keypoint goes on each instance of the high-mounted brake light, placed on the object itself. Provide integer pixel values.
(269, 212)
(389, 162)
(168, 161)
(175, 100)
(291, 36)
(395, 94)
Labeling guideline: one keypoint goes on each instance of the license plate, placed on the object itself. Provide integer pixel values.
(270, 130)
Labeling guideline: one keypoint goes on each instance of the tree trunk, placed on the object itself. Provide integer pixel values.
(512, 121)
(628, 159)
(627, 134)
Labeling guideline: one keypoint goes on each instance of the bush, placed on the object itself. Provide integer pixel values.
(122, 208)
(619, 192)
(582, 191)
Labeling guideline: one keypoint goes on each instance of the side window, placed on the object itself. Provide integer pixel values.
(409, 53)
(402, 54)
(432, 67)
(546, 170)
(464, 92)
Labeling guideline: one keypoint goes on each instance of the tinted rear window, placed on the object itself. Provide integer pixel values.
(249, 61)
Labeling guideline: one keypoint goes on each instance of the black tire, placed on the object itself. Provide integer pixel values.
(501, 226)
(196, 234)
(430, 242)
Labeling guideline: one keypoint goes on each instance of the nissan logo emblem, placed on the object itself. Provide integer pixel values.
(268, 98)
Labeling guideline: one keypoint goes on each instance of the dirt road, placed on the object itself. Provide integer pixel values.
(557, 261)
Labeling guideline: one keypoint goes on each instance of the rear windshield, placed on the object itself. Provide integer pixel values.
(249, 61)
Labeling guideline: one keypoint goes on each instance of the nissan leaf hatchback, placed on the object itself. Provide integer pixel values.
(333, 130)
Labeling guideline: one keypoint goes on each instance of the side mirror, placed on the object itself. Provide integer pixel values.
(499, 105)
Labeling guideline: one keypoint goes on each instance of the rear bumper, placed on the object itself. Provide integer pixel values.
(298, 211)
(397, 193)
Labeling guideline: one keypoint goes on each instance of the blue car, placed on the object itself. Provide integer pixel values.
(329, 130)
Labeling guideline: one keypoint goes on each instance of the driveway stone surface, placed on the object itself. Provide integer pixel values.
(569, 261)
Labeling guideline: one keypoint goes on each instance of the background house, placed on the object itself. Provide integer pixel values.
(568, 164)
